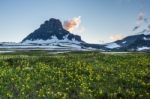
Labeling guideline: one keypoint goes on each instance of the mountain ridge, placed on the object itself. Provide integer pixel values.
(131, 43)
(51, 34)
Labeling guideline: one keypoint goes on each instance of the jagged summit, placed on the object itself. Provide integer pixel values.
(51, 31)
(52, 24)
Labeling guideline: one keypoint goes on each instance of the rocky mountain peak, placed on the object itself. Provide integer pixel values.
(52, 30)
(52, 24)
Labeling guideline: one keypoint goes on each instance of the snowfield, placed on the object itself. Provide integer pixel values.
(47, 46)
(6, 51)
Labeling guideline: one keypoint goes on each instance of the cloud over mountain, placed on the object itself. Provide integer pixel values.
(73, 23)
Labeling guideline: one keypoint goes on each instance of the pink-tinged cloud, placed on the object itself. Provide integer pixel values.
(71, 24)
(116, 37)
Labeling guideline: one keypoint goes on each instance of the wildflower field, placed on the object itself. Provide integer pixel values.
(74, 75)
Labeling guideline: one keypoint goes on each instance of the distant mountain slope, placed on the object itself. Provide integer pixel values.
(131, 43)
(140, 41)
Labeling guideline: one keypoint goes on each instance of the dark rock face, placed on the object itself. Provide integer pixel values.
(50, 28)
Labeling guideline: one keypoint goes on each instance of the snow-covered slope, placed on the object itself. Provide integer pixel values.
(54, 39)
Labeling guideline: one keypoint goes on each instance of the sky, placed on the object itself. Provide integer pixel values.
(100, 21)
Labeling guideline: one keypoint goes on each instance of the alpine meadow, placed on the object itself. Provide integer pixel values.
(74, 49)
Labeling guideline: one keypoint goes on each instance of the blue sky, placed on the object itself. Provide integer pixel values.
(100, 19)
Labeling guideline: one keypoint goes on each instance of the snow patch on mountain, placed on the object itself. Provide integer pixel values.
(146, 38)
(112, 45)
(124, 42)
(143, 48)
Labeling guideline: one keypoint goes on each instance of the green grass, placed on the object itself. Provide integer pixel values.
(74, 75)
